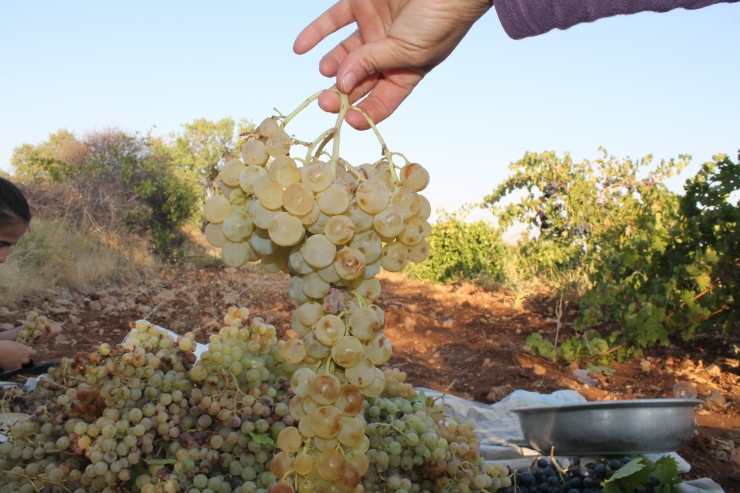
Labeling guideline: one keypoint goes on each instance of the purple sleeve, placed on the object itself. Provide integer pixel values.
(524, 18)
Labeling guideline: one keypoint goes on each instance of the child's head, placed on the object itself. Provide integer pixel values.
(15, 215)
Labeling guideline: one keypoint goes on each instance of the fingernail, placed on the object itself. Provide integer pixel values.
(349, 81)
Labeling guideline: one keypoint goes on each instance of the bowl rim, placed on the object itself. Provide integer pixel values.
(619, 404)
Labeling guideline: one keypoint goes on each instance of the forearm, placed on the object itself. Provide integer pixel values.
(525, 18)
(10, 335)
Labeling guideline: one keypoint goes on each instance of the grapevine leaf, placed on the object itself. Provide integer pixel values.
(633, 466)
(666, 470)
(262, 438)
(419, 397)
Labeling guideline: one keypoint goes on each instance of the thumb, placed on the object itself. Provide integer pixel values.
(369, 59)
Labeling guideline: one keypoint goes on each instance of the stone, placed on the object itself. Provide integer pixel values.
(539, 370)
(713, 370)
(715, 400)
(498, 393)
(645, 365)
(94, 305)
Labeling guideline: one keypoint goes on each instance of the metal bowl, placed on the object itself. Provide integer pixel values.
(610, 427)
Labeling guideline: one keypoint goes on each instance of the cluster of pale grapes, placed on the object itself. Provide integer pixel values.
(415, 448)
(135, 418)
(34, 326)
(332, 227)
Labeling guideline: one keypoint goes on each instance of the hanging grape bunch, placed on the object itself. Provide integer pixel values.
(331, 226)
(33, 327)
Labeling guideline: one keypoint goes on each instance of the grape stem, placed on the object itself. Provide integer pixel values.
(388, 154)
(343, 107)
(393, 427)
(286, 475)
(359, 176)
(404, 157)
(303, 105)
(323, 139)
(555, 463)
(29, 478)
(326, 140)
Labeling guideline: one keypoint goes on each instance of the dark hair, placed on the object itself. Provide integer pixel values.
(13, 205)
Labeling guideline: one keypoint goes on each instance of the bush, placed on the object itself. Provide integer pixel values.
(460, 249)
(132, 178)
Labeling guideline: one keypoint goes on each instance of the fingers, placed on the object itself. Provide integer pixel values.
(368, 59)
(385, 98)
(55, 329)
(329, 100)
(27, 356)
(338, 16)
(331, 62)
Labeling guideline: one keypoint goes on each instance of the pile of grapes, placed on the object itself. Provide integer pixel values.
(549, 476)
(33, 327)
(254, 414)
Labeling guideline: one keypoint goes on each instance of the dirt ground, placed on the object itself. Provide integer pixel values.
(459, 336)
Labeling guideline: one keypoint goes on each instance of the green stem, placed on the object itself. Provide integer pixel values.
(320, 139)
(388, 154)
(320, 149)
(300, 108)
(343, 107)
(360, 177)
(404, 157)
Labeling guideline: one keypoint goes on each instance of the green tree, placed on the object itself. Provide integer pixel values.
(57, 158)
(591, 218)
(204, 146)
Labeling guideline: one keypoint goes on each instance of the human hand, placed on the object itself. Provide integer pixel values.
(14, 354)
(397, 42)
(52, 330)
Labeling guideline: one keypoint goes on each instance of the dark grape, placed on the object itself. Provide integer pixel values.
(548, 471)
(626, 460)
(553, 481)
(573, 490)
(588, 482)
(614, 465)
(600, 471)
(527, 478)
(542, 463)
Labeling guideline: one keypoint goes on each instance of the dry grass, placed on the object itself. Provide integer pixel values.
(53, 255)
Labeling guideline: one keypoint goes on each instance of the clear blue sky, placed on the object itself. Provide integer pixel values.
(664, 84)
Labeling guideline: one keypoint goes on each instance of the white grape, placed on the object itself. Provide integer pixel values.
(317, 176)
(394, 256)
(215, 235)
(334, 200)
(249, 176)
(372, 196)
(216, 209)
(236, 254)
(238, 226)
(254, 152)
(319, 252)
(285, 230)
(414, 176)
(231, 171)
(284, 170)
